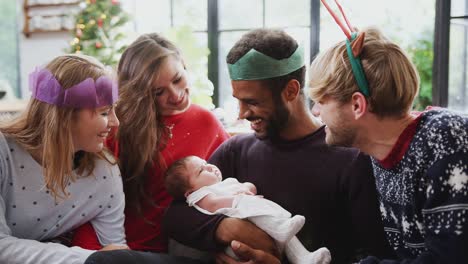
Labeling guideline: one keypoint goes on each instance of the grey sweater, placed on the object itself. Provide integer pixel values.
(29, 214)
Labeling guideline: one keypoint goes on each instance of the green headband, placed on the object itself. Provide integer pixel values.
(356, 66)
(255, 65)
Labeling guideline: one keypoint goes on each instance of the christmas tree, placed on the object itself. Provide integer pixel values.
(97, 30)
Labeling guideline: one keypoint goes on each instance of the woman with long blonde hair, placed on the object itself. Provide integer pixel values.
(159, 125)
(54, 172)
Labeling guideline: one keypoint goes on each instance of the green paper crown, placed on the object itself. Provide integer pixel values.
(255, 65)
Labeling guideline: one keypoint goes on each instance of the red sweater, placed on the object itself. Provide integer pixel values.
(194, 132)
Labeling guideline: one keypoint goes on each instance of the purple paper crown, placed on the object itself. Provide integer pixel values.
(87, 94)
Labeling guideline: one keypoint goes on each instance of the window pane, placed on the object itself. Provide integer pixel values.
(8, 49)
(240, 14)
(152, 16)
(459, 8)
(402, 20)
(458, 88)
(195, 55)
(280, 13)
(194, 48)
(191, 12)
(302, 36)
(329, 31)
(202, 41)
(229, 103)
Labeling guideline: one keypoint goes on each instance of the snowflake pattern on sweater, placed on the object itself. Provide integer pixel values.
(424, 197)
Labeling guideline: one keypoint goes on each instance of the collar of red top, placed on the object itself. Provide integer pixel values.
(402, 144)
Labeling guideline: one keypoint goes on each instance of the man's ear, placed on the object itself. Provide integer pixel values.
(292, 90)
(358, 105)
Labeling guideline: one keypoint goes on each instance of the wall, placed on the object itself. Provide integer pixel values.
(37, 49)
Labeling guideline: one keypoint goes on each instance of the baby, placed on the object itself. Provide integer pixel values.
(202, 186)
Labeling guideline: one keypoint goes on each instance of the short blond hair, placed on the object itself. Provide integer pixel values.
(392, 77)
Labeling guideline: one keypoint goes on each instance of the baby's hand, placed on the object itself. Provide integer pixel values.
(247, 192)
(114, 247)
(250, 187)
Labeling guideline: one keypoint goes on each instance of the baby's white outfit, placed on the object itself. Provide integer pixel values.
(267, 215)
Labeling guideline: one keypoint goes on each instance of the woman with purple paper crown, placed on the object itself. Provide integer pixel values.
(54, 171)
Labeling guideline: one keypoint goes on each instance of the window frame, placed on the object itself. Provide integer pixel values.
(440, 67)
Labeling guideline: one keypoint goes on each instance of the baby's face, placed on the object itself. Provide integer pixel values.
(201, 173)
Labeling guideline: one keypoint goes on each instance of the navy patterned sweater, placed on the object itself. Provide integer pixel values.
(424, 197)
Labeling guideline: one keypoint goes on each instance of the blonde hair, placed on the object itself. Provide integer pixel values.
(44, 129)
(142, 134)
(393, 79)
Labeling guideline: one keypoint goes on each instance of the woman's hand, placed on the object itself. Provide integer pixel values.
(247, 255)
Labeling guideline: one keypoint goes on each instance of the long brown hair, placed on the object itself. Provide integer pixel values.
(45, 130)
(141, 135)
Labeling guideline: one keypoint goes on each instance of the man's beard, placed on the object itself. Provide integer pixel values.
(343, 136)
(277, 122)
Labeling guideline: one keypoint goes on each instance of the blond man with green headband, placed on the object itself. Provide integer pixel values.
(420, 159)
(288, 161)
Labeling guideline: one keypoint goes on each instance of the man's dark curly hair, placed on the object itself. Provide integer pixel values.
(275, 43)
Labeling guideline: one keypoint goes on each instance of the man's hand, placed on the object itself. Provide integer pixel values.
(113, 247)
(242, 230)
(247, 255)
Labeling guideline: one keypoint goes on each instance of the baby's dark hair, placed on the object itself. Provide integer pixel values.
(176, 180)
